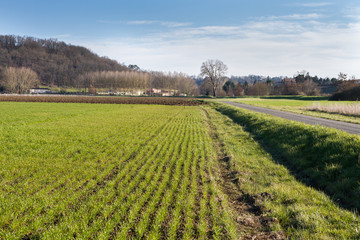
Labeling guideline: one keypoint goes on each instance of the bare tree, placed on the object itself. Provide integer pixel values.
(186, 85)
(310, 88)
(342, 76)
(214, 70)
(259, 89)
(20, 80)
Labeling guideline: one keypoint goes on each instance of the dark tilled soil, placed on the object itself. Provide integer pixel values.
(104, 100)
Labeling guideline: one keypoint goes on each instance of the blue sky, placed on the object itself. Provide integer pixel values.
(264, 37)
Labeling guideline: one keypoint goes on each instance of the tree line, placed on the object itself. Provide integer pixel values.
(215, 83)
(138, 80)
(29, 62)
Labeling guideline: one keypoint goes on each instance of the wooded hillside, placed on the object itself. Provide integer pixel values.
(55, 62)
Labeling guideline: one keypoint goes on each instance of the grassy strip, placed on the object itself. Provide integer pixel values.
(302, 212)
(343, 109)
(325, 158)
(298, 105)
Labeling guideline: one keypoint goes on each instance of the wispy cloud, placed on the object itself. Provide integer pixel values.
(62, 36)
(309, 16)
(314, 4)
(162, 23)
(353, 13)
(149, 22)
(275, 45)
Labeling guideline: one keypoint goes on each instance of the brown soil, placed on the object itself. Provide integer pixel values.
(249, 211)
(104, 100)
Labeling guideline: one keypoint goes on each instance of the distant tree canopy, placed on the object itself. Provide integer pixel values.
(56, 63)
(229, 87)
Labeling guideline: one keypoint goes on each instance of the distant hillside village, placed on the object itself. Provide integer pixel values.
(47, 66)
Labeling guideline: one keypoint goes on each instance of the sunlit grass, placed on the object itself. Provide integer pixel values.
(302, 211)
(352, 109)
(301, 105)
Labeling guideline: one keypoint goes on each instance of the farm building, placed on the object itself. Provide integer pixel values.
(40, 90)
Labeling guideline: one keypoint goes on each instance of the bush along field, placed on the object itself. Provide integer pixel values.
(300, 162)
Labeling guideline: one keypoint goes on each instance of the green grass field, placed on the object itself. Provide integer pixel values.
(100, 171)
(297, 105)
(106, 172)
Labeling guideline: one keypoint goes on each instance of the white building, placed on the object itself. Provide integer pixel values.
(39, 90)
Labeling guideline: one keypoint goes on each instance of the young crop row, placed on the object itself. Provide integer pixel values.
(104, 100)
(108, 172)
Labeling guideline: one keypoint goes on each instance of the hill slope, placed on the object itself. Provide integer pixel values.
(56, 63)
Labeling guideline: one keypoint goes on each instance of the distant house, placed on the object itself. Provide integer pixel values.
(39, 90)
(167, 93)
(137, 93)
(153, 92)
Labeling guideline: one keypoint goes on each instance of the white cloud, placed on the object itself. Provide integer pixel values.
(149, 22)
(62, 36)
(309, 16)
(352, 13)
(315, 4)
(267, 47)
(162, 23)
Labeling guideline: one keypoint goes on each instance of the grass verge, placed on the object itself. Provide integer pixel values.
(299, 105)
(321, 157)
(301, 211)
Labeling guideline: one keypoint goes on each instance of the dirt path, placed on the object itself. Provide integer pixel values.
(248, 209)
(347, 127)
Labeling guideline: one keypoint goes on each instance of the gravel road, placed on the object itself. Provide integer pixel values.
(347, 127)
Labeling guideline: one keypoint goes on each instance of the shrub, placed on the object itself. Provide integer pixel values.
(349, 94)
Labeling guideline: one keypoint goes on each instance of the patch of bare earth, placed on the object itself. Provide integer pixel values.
(248, 209)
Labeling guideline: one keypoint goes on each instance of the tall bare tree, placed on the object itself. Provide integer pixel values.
(214, 70)
(20, 80)
(310, 88)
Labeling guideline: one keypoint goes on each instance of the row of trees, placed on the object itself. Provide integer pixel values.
(18, 80)
(216, 84)
(138, 80)
(285, 87)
